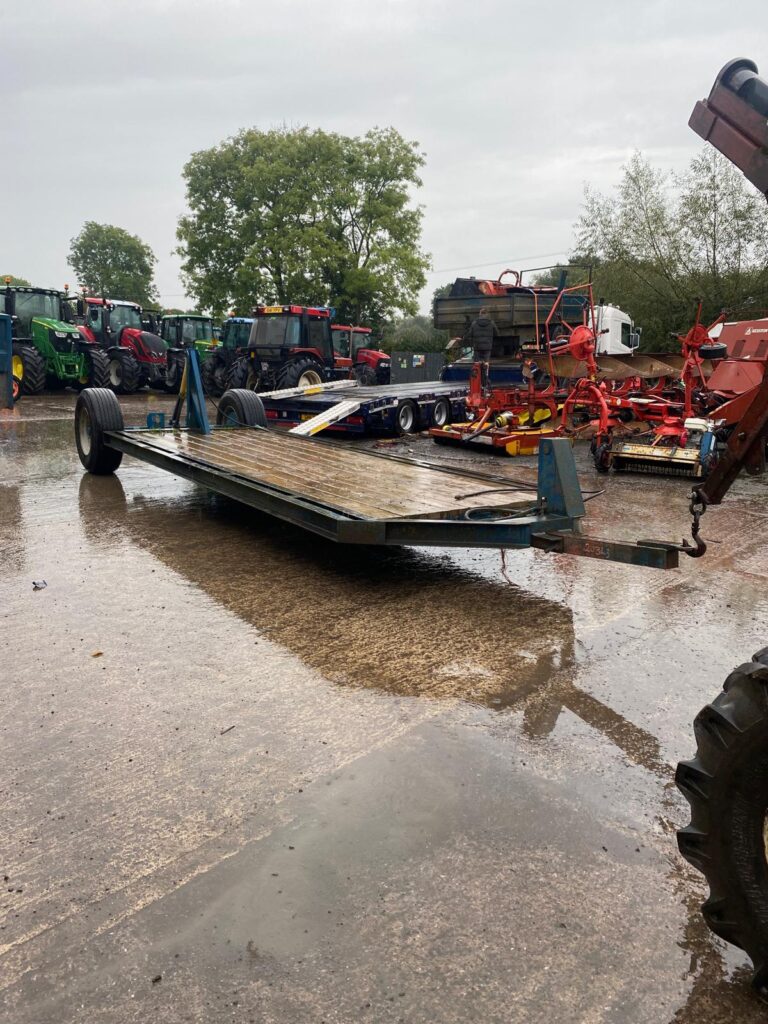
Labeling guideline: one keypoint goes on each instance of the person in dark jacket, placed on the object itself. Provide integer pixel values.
(480, 335)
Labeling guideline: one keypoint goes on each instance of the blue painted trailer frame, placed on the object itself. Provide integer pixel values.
(378, 409)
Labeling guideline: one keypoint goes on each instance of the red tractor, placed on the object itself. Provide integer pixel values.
(370, 365)
(290, 346)
(136, 356)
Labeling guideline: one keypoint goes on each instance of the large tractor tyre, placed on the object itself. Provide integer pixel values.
(32, 369)
(366, 375)
(726, 785)
(407, 418)
(174, 372)
(236, 374)
(124, 371)
(240, 407)
(97, 410)
(208, 377)
(300, 373)
(97, 370)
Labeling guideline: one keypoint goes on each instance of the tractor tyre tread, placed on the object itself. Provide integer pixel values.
(104, 413)
(131, 371)
(726, 785)
(208, 376)
(366, 375)
(33, 363)
(98, 375)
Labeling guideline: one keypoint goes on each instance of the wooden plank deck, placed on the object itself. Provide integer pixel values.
(358, 483)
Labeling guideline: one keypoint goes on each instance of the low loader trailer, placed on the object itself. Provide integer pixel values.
(344, 407)
(347, 495)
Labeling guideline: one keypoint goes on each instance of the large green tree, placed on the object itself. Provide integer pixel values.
(306, 216)
(662, 241)
(110, 261)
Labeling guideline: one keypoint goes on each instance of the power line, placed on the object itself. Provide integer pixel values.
(495, 263)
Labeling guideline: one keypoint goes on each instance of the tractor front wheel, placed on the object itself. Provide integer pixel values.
(174, 372)
(97, 369)
(97, 411)
(366, 376)
(726, 785)
(32, 369)
(124, 371)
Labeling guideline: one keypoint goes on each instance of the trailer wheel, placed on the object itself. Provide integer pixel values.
(240, 407)
(407, 417)
(97, 410)
(726, 785)
(441, 413)
(124, 371)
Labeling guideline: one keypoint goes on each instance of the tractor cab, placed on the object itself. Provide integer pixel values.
(369, 363)
(235, 332)
(188, 331)
(48, 348)
(292, 346)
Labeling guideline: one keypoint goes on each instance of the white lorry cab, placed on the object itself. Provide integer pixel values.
(616, 333)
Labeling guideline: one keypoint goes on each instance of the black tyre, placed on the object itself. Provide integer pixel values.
(240, 407)
(236, 374)
(601, 456)
(407, 417)
(299, 373)
(33, 369)
(715, 350)
(124, 371)
(726, 785)
(441, 413)
(174, 372)
(97, 410)
(208, 377)
(97, 370)
(365, 375)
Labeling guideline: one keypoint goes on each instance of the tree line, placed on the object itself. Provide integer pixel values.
(319, 218)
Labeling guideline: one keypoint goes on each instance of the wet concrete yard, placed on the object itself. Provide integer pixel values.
(250, 776)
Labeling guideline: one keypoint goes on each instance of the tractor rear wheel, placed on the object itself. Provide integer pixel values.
(96, 371)
(366, 376)
(726, 785)
(32, 369)
(97, 410)
(236, 374)
(241, 407)
(299, 373)
(124, 371)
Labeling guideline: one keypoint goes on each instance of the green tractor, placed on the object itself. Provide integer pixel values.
(48, 349)
(181, 331)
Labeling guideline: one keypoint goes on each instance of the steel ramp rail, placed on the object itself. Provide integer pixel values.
(337, 412)
(311, 389)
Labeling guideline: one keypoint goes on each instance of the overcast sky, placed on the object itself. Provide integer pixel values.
(515, 104)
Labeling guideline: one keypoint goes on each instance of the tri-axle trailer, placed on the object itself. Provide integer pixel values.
(380, 409)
